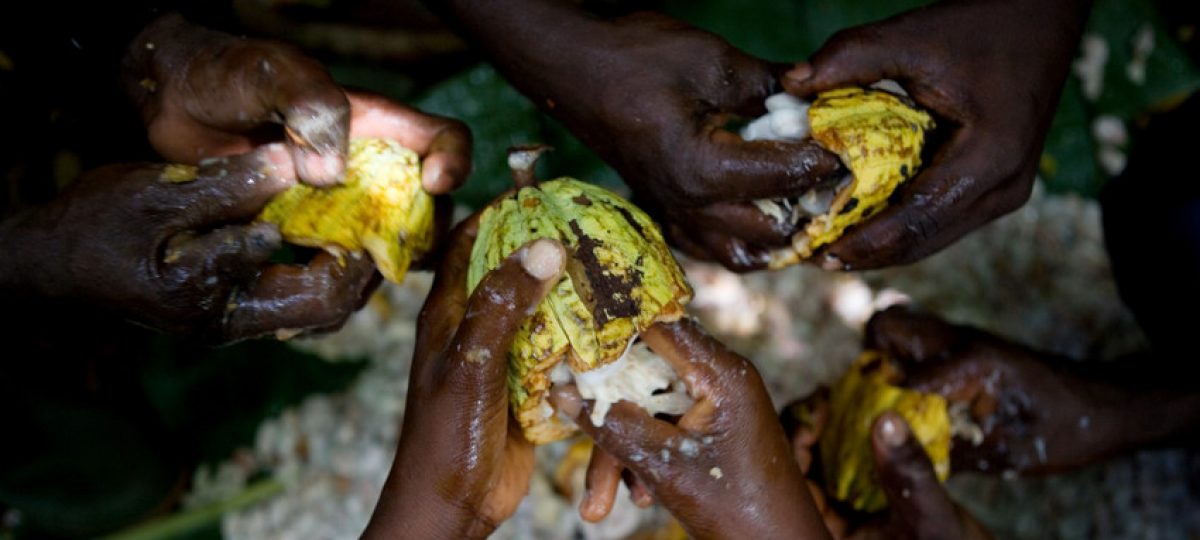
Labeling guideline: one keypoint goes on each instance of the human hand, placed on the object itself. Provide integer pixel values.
(992, 71)
(919, 507)
(462, 465)
(651, 95)
(180, 257)
(1033, 414)
(724, 470)
(204, 93)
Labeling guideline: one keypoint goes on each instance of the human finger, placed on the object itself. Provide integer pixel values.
(290, 299)
(229, 189)
(602, 480)
(444, 144)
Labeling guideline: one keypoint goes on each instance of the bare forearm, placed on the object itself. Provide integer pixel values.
(532, 42)
(1137, 402)
(410, 507)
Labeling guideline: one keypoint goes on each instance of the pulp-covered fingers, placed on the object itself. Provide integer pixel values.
(732, 252)
(318, 140)
(312, 107)
(500, 304)
(232, 87)
(730, 168)
(288, 300)
(602, 480)
(230, 189)
(628, 432)
(704, 364)
(747, 222)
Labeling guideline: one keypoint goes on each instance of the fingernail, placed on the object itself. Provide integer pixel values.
(590, 509)
(332, 165)
(566, 402)
(800, 73)
(892, 431)
(436, 182)
(543, 259)
(320, 169)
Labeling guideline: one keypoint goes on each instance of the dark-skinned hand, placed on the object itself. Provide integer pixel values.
(1037, 413)
(992, 72)
(180, 257)
(462, 465)
(105, 240)
(651, 95)
(919, 508)
(205, 93)
(724, 470)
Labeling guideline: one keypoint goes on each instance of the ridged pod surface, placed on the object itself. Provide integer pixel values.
(620, 278)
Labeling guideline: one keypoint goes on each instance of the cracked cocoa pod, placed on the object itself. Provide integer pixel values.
(380, 208)
(620, 278)
(868, 389)
(878, 134)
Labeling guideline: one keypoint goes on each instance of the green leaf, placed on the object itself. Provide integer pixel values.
(1068, 161)
(1170, 74)
(500, 117)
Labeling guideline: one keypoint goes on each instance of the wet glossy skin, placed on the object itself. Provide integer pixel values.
(724, 470)
(918, 505)
(650, 95)
(462, 465)
(182, 258)
(992, 72)
(1039, 413)
(204, 93)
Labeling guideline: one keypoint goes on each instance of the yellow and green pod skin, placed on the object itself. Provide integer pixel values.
(380, 208)
(855, 401)
(620, 278)
(879, 137)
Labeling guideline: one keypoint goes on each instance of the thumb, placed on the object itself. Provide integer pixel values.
(853, 56)
(501, 303)
(918, 502)
(911, 337)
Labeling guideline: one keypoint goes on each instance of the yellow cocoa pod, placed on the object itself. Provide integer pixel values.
(879, 137)
(380, 208)
(855, 401)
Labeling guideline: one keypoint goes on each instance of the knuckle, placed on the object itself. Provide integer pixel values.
(847, 39)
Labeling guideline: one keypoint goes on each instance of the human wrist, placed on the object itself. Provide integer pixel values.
(535, 44)
(1145, 412)
(412, 506)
